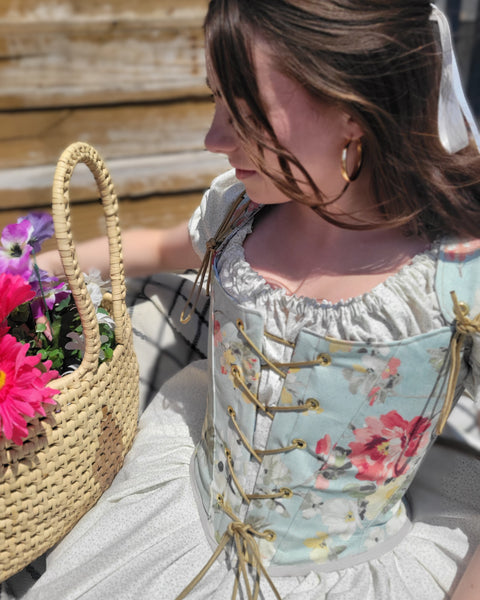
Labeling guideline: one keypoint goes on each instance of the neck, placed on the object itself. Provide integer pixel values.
(298, 238)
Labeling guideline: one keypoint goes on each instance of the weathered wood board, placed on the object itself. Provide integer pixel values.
(132, 176)
(36, 137)
(75, 53)
(127, 78)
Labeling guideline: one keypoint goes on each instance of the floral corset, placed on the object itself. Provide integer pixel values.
(308, 472)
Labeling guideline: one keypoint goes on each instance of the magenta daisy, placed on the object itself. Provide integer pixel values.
(23, 388)
(13, 291)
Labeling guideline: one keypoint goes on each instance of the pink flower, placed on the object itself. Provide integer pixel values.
(392, 368)
(382, 448)
(22, 388)
(324, 445)
(14, 290)
(217, 332)
(373, 394)
(323, 450)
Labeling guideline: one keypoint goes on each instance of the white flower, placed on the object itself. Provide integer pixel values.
(275, 473)
(381, 497)
(94, 276)
(341, 517)
(312, 505)
(106, 319)
(96, 295)
(375, 536)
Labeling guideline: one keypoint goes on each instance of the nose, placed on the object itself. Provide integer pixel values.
(221, 137)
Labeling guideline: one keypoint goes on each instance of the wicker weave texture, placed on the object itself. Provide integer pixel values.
(72, 455)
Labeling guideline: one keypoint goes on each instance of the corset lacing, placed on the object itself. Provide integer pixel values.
(243, 534)
(464, 327)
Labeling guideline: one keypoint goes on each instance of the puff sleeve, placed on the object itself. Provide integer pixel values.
(213, 209)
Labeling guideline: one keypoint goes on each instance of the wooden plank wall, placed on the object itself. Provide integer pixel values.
(126, 77)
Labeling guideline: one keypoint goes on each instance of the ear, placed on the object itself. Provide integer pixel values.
(353, 129)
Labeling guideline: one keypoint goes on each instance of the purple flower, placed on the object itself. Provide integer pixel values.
(48, 292)
(42, 224)
(15, 251)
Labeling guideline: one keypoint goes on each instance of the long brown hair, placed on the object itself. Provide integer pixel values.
(380, 61)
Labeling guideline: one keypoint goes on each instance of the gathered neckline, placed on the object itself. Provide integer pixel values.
(403, 305)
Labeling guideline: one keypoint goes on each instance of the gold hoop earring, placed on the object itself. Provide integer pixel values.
(358, 163)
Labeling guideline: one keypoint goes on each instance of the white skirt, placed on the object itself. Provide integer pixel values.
(144, 539)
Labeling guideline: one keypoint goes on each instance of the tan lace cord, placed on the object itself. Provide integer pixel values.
(232, 414)
(228, 225)
(277, 366)
(295, 445)
(310, 404)
(282, 493)
(239, 382)
(464, 327)
(228, 455)
(271, 365)
(280, 340)
(243, 536)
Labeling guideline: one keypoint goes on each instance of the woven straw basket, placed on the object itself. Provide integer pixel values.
(72, 455)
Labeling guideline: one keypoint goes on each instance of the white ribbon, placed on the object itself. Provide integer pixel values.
(453, 107)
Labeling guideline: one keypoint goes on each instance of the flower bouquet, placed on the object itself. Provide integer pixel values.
(68, 375)
(41, 334)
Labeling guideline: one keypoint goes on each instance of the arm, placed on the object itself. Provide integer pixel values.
(145, 251)
(469, 586)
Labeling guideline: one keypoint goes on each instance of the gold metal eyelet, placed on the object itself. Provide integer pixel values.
(240, 324)
(235, 371)
(286, 492)
(231, 411)
(312, 404)
(324, 359)
(270, 535)
(220, 499)
(299, 443)
(228, 453)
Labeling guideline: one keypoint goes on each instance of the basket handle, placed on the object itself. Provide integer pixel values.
(74, 154)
